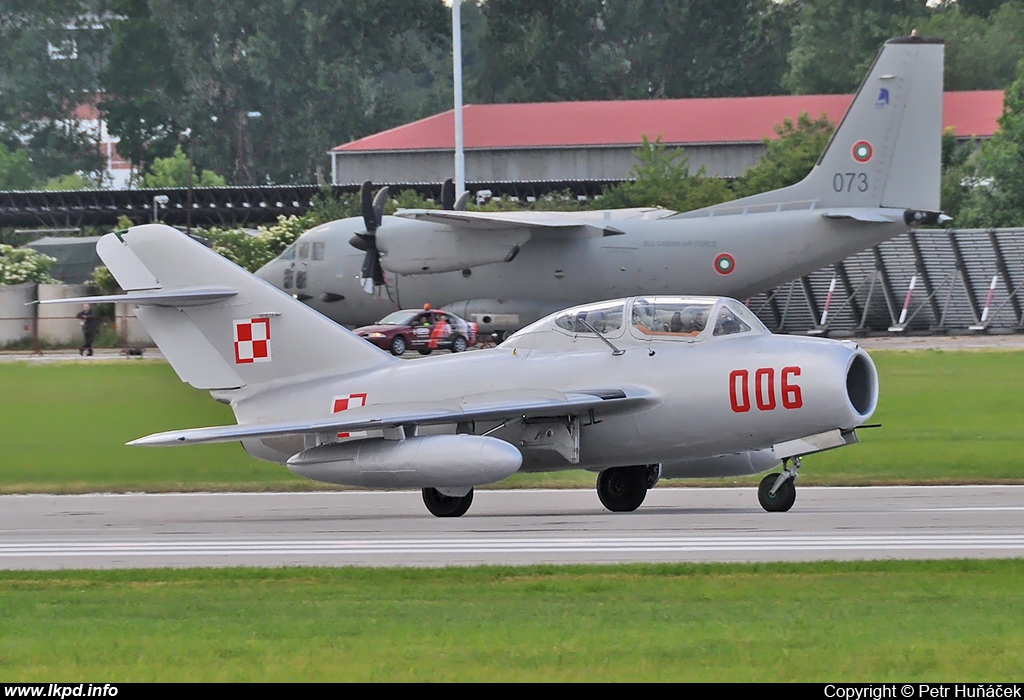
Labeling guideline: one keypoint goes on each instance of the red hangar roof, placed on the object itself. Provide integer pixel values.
(624, 123)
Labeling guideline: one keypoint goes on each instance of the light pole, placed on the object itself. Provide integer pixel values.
(460, 160)
(160, 199)
(186, 138)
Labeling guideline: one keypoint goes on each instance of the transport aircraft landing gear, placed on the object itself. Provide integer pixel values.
(623, 489)
(446, 506)
(777, 492)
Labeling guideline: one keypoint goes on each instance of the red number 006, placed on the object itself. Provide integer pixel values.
(764, 389)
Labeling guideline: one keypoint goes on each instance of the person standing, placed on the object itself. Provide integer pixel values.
(90, 322)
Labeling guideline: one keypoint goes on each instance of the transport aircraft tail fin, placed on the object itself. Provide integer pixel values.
(887, 150)
(219, 326)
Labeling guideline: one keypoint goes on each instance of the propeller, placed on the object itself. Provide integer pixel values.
(448, 194)
(373, 215)
(448, 200)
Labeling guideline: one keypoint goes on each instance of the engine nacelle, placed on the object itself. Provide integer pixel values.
(430, 461)
(417, 248)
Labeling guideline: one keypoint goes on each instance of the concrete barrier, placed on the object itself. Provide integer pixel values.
(16, 317)
(57, 322)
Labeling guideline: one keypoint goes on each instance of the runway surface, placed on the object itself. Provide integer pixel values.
(506, 527)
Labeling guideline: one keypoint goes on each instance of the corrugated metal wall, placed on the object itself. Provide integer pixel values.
(952, 271)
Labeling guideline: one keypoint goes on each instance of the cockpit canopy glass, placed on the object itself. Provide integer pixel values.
(671, 316)
(289, 252)
(604, 317)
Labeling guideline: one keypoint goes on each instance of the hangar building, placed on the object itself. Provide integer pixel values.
(595, 141)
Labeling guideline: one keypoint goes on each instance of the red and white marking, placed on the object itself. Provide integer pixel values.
(724, 263)
(345, 402)
(862, 151)
(252, 340)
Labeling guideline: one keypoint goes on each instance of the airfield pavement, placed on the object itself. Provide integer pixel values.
(513, 527)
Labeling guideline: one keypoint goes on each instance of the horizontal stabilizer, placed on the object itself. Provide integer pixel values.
(547, 404)
(174, 297)
(871, 216)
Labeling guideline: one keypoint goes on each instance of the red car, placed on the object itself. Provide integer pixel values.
(424, 330)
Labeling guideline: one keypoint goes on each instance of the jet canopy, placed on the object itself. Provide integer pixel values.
(641, 320)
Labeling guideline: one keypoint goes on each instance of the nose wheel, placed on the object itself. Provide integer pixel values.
(446, 506)
(623, 489)
(777, 492)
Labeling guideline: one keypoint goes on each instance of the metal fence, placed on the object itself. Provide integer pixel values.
(928, 281)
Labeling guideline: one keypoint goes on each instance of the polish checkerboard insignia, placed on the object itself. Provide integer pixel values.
(345, 402)
(252, 340)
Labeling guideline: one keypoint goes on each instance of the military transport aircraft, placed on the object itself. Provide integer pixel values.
(635, 389)
(878, 177)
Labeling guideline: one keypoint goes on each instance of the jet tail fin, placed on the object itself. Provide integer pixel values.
(219, 326)
(887, 150)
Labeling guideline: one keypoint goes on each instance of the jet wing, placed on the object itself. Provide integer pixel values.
(497, 221)
(487, 407)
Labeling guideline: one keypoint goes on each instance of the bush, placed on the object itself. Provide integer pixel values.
(20, 265)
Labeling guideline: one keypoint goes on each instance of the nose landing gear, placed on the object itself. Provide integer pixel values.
(777, 492)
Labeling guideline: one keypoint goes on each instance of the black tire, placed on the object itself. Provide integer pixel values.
(446, 506)
(622, 489)
(783, 499)
(426, 351)
(398, 346)
(653, 475)
(459, 344)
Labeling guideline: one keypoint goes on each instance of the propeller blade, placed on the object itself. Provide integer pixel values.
(372, 272)
(448, 194)
(367, 207)
(369, 262)
(460, 203)
(378, 206)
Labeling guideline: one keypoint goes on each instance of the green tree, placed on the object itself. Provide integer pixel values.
(173, 172)
(15, 170)
(789, 158)
(834, 43)
(142, 85)
(982, 49)
(994, 177)
(662, 178)
(613, 49)
(51, 54)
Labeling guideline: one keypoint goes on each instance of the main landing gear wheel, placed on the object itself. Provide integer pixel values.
(398, 346)
(623, 489)
(447, 506)
(783, 498)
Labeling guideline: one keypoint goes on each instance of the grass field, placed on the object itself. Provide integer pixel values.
(873, 621)
(948, 417)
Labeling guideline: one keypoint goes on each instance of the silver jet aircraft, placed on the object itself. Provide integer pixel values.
(878, 177)
(635, 389)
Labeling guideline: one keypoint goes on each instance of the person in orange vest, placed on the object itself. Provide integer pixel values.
(440, 331)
